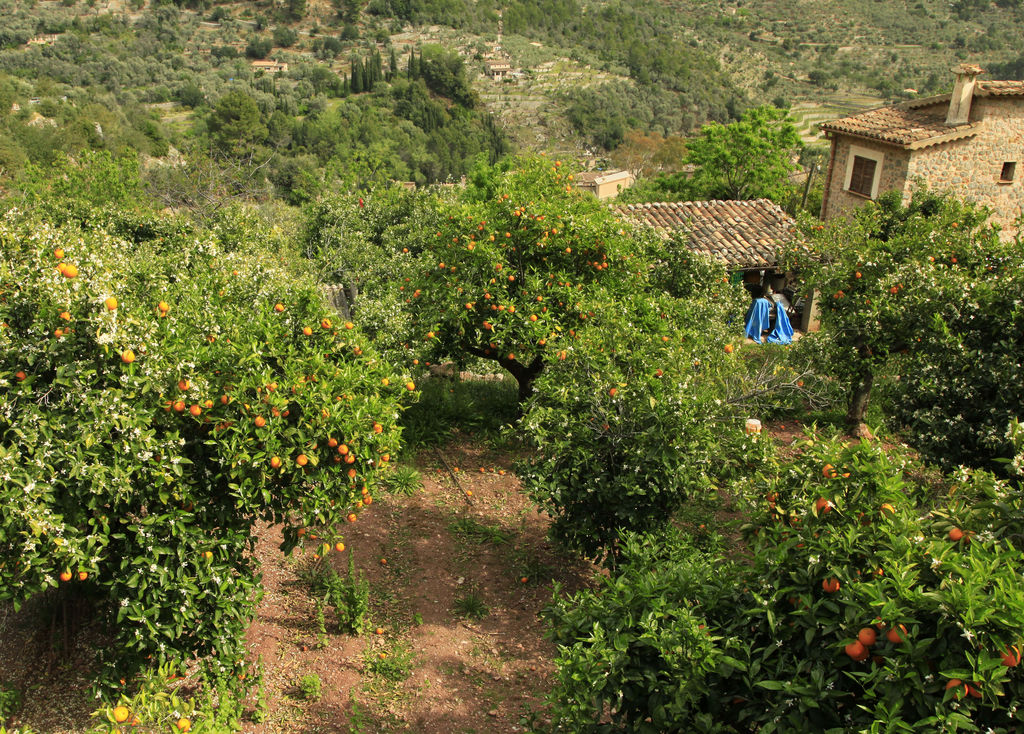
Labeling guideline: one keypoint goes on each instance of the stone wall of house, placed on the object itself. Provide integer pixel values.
(893, 175)
(971, 168)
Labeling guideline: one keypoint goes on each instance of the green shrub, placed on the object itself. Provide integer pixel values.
(627, 419)
(309, 687)
(350, 598)
(10, 702)
(165, 702)
(845, 543)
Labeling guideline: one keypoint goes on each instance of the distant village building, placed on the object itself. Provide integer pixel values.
(497, 70)
(605, 184)
(46, 39)
(969, 143)
(269, 67)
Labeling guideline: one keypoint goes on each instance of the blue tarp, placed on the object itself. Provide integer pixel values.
(759, 318)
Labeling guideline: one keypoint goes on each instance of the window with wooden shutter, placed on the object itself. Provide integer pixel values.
(862, 178)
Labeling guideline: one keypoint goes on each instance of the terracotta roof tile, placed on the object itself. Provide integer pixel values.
(1000, 88)
(899, 124)
(918, 122)
(740, 234)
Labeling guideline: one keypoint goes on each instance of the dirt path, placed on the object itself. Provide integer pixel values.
(434, 561)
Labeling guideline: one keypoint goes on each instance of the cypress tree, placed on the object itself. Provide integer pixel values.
(357, 75)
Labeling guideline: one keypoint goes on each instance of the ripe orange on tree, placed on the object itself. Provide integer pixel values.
(127, 356)
(279, 307)
(830, 585)
(275, 461)
(955, 534)
(111, 304)
(867, 636)
(301, 460)
(121, 714)
(184, 725)
(896, 634)
(956, 683)
(260, 421)
(856, 651)
(65, 575)
(1011, 656)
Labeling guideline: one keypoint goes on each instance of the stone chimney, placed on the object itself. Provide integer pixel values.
(963, 92)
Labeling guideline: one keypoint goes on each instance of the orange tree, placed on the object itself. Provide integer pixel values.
(511, 267)
(631, 417)
(161, 393)
(962, 384)
(892, 276)
(867, 600)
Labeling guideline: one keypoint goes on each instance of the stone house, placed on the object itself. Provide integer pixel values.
(969, 143)
(604, 184)
(497, 70)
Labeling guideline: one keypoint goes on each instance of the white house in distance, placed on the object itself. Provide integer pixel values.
(269, 67)
(969, 143)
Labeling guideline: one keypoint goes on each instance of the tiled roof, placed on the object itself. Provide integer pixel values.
(1009, 88)
(741, 234)
(901, 125)
(918, 123)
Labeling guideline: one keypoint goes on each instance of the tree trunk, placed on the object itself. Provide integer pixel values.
(859, 405)
(524, 374)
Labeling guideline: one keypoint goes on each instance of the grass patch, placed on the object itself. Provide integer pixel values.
(480, 407)
(389, 664)
(470, 529)
(471, 606)
(404, 480)
(527, 568)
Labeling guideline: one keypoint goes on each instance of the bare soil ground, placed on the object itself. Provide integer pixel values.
(466, 533)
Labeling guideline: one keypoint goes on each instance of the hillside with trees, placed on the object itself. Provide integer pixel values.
(396, 90)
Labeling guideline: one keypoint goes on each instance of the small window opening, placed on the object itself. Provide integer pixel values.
(1009, 171)
(863, 176)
